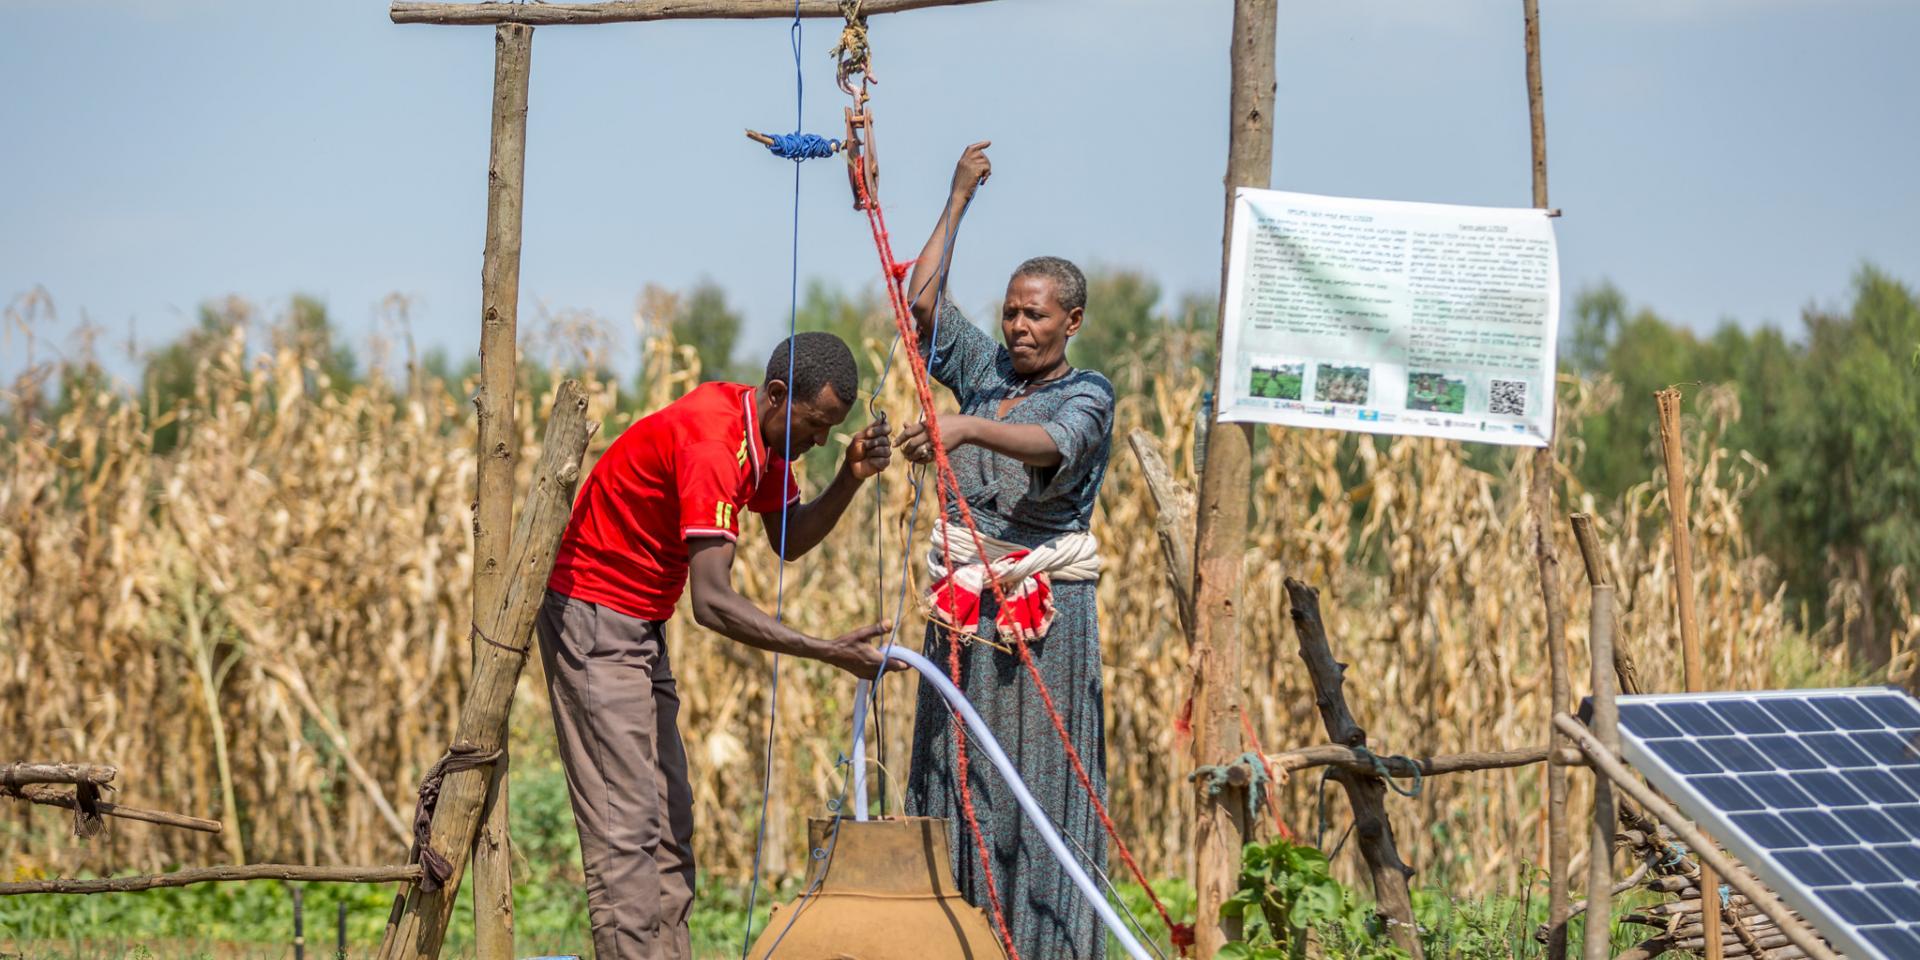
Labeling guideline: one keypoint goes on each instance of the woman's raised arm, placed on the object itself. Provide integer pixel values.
(930, 269)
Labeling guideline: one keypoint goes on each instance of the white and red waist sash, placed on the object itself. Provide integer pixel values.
(1026, 575)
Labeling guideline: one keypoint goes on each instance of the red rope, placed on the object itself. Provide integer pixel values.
(949, 491)
(1273, 783)
(948, 488)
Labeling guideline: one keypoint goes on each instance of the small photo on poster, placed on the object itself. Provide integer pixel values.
(1337, 384)
(1271, 378)
(1438, 392)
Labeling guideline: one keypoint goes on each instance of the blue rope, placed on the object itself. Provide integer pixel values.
(802, 146)
(837, 805)
(780, 588)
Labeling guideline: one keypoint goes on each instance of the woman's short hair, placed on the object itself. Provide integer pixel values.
(819, 360)
(1069, 284)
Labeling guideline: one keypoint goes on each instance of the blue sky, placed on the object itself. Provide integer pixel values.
(1716, 158)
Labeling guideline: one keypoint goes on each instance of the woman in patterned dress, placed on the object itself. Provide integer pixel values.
(1029, 447)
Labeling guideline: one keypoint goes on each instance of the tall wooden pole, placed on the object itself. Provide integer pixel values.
(493, 404)
(1679, 520)
(1220, 540)
(418, 923)
(1540, 505)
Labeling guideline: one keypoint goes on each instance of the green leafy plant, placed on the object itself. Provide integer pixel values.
(1288, 896)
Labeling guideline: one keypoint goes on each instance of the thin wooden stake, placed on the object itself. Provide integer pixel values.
(1679, 525)
(1540, 506)
(299, 923)
(1226, 486)
(499, 438)
(1599, 928)
(1679, 522)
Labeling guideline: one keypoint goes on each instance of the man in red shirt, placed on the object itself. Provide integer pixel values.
(663, 506)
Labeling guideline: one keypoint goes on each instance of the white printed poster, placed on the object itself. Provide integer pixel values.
(1422, 319)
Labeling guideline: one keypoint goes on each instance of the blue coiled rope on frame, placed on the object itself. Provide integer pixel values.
(802, 146)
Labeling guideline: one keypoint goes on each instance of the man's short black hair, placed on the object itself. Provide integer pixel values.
(820, 359)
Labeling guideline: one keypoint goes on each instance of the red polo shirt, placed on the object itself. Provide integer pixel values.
(687, 470)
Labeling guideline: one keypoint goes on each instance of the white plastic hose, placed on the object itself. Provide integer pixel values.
(983, 738)
(861, 691)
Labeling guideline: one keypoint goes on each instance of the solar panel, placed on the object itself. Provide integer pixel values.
(1816, 791)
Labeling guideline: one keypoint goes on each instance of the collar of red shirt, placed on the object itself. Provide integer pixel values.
(755, 444)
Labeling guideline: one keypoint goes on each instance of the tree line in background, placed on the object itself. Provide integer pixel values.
(1827, 419)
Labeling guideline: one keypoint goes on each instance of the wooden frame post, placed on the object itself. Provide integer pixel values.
(1608, 677)
(1540, 508)
(499, 439)
(1220, 539)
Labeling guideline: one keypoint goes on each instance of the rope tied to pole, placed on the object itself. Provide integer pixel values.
(88, 820)
(1385, 772)
(1377, 766)
(481, 634)
(434, 867)
(1216, 777)
(854, 57)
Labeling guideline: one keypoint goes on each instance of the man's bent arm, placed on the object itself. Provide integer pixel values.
(809, 523)
(719, 608)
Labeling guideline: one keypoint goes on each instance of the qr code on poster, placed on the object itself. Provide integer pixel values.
(1507, 397)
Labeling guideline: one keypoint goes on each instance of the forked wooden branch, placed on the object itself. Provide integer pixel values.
(1173, 521)
(1365, 792)
(181, 878)
(14, 775)
(1595, 561)
(637, 11)
(419, 921)
(65, 801)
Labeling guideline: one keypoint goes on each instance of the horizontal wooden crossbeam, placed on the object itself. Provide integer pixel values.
(256, 871)
(15, 775)
(1333, 754)
(636, 11)
(65, 800)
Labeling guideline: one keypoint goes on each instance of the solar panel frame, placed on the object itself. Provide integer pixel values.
(1752, 768)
